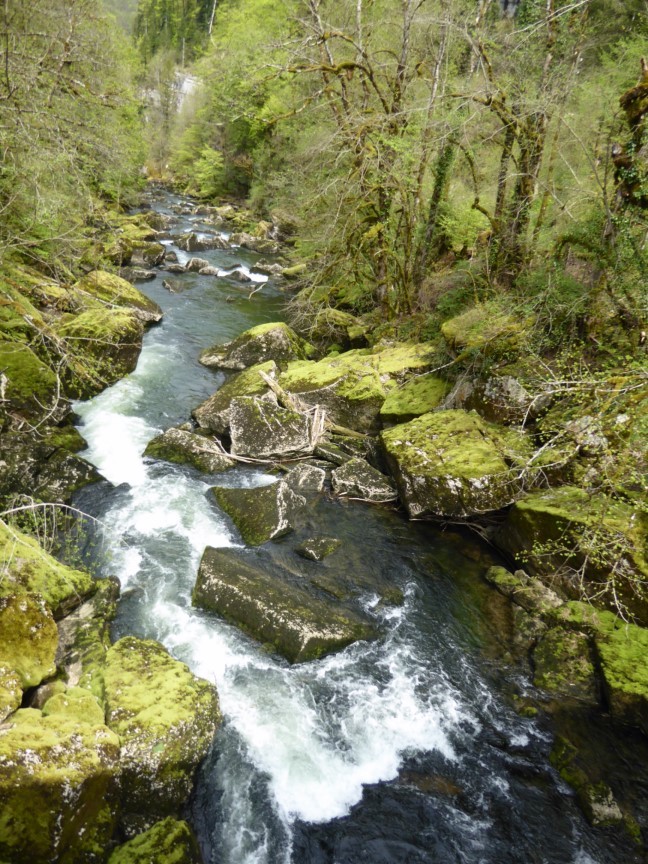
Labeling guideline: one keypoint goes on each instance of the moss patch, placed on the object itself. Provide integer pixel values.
(117, 291)
(272, 341)
(167, 842)
(487, 328)
(31, 385)
(417, 396)
(28, 638)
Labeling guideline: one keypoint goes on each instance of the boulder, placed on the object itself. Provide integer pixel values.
(357, 479)
(499, 399)
(137, 274)
(487, 327)
(261, 429)
(525, 591)
(318, 548)
(213, 415)
(306, 478)
(146, 254)
(260, 514)
(28, 638)
(189, 448)
(29, 387)
(76, 703)
(274, 611)
(209, 271)
(194, 265)
(575, 538)
(167, 842)
(452, 463)
(58, 787)
(29, 568)
(274, 341)
(331, 326)
(257, 244)
(417, 396)
(191, 242)
(176, 268)
(165, 718)
(563, 665)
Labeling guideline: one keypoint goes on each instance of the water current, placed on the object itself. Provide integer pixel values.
(403, 750)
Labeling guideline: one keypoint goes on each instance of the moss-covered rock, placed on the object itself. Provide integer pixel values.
(358, 479)
(563, 665)
(452, 463)
(78, 704)
(487, 327)
(527, 592)
(116, 291)
(261, 429)
(145, 253)
(334, 326)
(274, 611)
(417, 396)
(306, 478)
(31, 386)
(318, 548)
(167, 842)
(213, 414)
(500, 398)
(189, 448)
(28, 568)
(10, 691)
(28, 638)
(623, 655)
(165, 718)
(576, 539)
(58, 787)
(274, 341)
(260, 514)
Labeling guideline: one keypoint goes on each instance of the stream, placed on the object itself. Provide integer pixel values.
(401, 751)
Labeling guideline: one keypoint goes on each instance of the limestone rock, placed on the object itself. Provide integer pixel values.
(165, 718)
(357, 479)
(274, 341)
(175, 268)
(28, 638)
(213, 414)
(451, 463)
(318, 548)
(188, 448)
(257, 244)
(526, 591)
(114, 290)
(167, 842)
(191, 242)
(78, 704)
(296, 624)
(137, 274)
(58, 787)
(498, 399)
(261, 429)
(622, 650)
(260, 514)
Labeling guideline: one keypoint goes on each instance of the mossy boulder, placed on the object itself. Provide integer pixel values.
(358, 479)
(116, 291)
(498, 399)
(105, 344)
(294, 623)
(78, 704)
(146, 253)
(213, 414)
(165, 718)
(84, 639)
(31, 386)
(10, 691)
(419, 395)
(189, 448)
(334, 326)
(353, 386)
(487, 327)
(568, 535)
(563, 665)
(170, 841)
(28, 568)
(526, 591)
(452, 463)
(58, 787)
(261, 429)
(28, 638)
(274, 341)
(260, 514)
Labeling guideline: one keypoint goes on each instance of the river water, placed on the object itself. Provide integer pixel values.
(401, 751)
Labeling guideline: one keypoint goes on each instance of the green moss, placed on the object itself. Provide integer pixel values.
(563, 664)
(167, 842)
(113, 289)
(27, 567)
(31, 385)
(260, 514)
(213, 414)
(10, 691)
(28, 638)
(417, 396)
(58, 787)
(271, 341)
(187, 448)
(78, 704)
(486, 327)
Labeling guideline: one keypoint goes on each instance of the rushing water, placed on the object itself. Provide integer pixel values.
(403, 750)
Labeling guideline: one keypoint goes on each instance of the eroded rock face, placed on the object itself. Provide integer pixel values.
(451, 463)
(165, 718)
(168, 842)
(261, 429)
(275, 341)
(499, 399)
(261, 514)
(58, 787)
(296, 624)
(213, 414)
(188, 448)
(357, 479)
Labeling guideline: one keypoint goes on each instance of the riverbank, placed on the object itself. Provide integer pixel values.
(353, 388)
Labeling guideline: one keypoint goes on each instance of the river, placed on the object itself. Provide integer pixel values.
(401, 751)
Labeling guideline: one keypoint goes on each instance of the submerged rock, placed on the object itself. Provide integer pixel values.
(451, 463)
(28, 638)
(261, 429)
(260, 514)
(213, 414)
(167, 842)
(294, 623)
(357, 479)
(166, 719)
(275, 341)
(58, 787)
(189, 448)
(318, 548)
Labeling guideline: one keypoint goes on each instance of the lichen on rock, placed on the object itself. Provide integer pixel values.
(358, 479)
